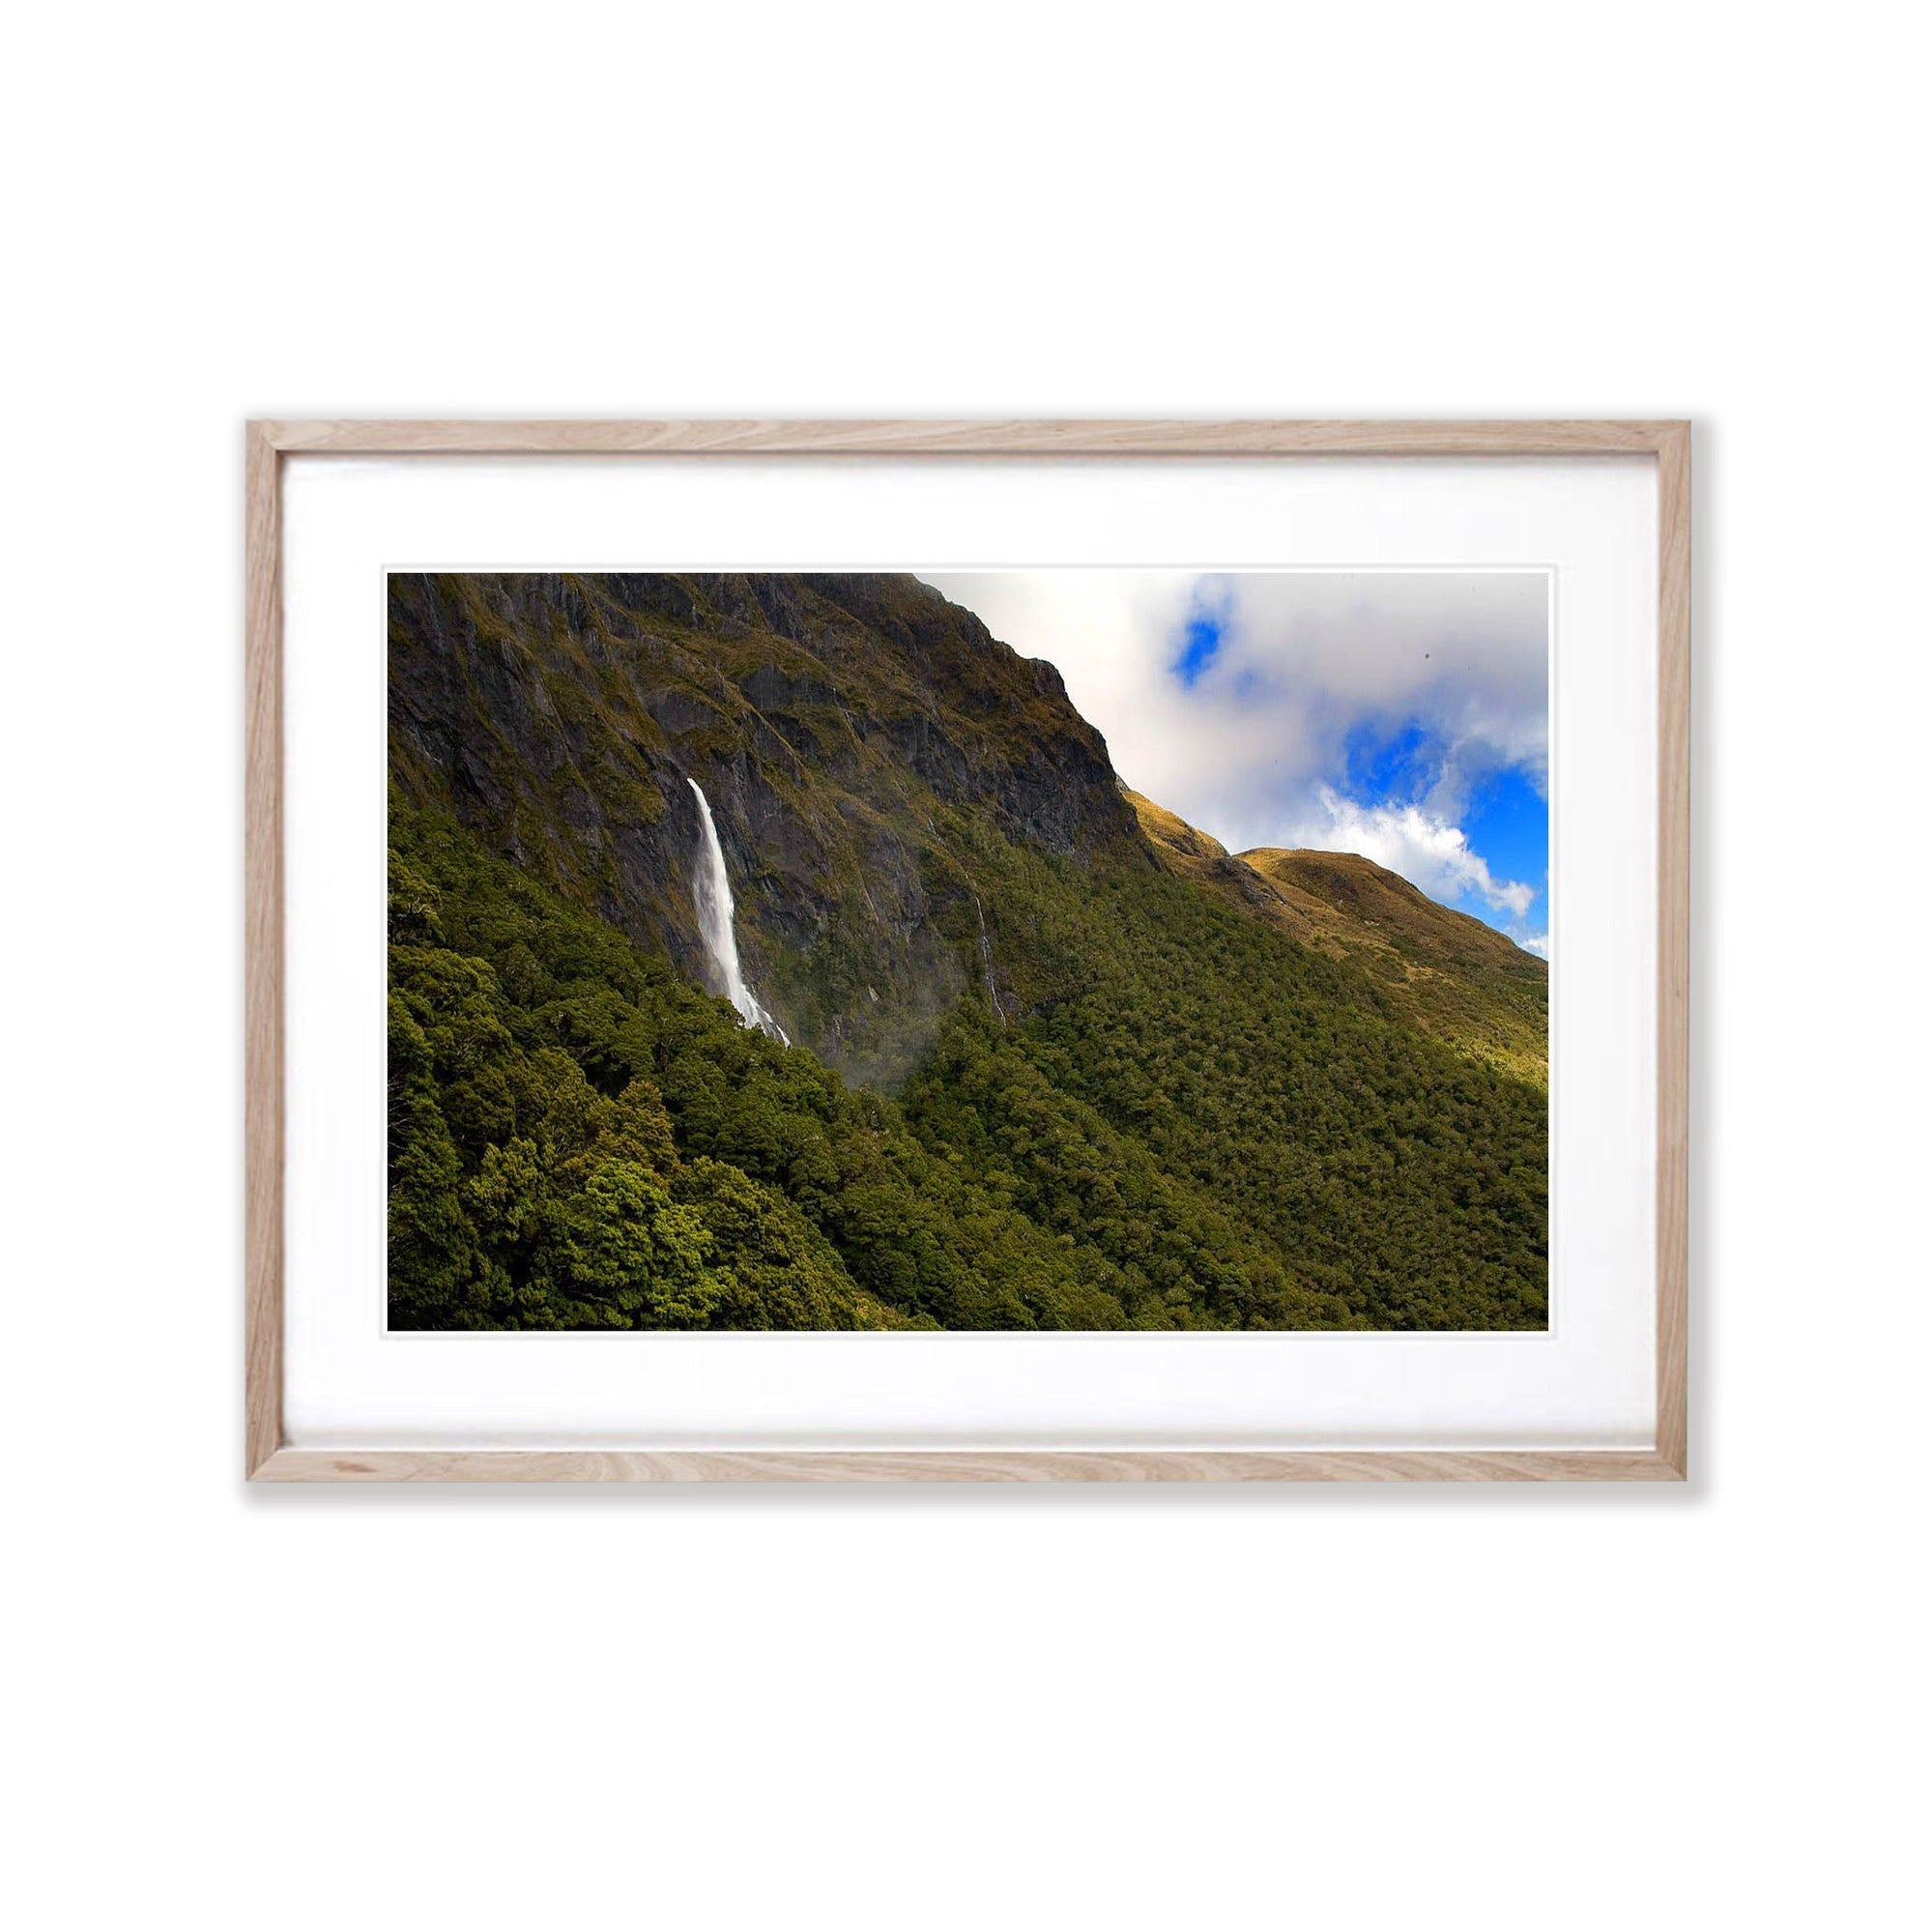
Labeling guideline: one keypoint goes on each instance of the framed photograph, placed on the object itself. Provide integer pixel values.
(968, 951)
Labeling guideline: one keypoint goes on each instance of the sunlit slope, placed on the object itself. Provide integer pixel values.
(1461, 980)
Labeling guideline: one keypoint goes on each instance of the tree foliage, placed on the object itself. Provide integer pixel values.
(1196, 1124)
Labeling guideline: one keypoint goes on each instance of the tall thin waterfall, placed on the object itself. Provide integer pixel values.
(711, 894)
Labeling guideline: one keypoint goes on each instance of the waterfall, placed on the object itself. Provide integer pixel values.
(711, 894)
(986, 961)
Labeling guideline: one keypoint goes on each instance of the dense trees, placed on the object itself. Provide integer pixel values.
(1379, 1162)
(1198, 1124)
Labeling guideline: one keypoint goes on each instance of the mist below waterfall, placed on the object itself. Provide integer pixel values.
(711, 895)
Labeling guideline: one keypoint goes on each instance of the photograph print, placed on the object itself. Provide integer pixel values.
(1073, 949)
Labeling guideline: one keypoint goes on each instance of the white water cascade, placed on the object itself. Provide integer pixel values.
(711, 894)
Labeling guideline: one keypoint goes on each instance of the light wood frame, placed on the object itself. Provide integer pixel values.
(268, 1458)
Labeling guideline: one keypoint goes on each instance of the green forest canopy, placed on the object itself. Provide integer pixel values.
(1199, 1124)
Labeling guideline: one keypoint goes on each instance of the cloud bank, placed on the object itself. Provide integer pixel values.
(1370, 711)
(1425, 850)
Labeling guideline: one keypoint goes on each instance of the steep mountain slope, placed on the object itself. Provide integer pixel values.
(840, 726)
(1056, 1064)
(1449, 973)
(1453, 974)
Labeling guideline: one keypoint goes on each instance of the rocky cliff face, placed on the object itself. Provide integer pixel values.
(869, 750)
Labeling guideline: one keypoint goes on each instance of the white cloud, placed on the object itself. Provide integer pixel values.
(1427, 850)
(1535, 942)
(1311, 665)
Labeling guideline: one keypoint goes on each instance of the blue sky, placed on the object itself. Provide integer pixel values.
(1504, 816)
(1201, 642)
(1400, 714)
(1507, 821)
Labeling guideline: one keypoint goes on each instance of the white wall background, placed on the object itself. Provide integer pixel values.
(1339, 1709)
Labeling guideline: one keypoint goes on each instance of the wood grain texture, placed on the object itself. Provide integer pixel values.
(943, 437)
(263, 871)
(1673, 947)
(269, 1460)
(1019, 1465)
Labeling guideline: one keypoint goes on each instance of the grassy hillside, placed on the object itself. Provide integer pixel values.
(1046, 1074)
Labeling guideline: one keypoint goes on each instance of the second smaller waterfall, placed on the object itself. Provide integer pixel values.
(711, 894)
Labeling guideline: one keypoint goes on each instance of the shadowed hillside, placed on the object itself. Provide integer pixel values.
(848, 731)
